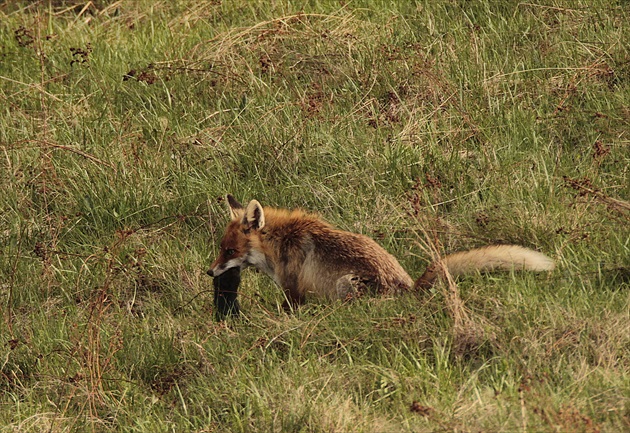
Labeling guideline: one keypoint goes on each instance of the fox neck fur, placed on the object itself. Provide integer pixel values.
(307, 256)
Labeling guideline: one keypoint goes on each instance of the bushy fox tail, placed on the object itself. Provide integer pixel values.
(495, 257)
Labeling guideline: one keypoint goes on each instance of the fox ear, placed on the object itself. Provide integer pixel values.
(254, 217)
(236, 209)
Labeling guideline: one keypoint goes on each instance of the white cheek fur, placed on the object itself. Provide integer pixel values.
(258, 260)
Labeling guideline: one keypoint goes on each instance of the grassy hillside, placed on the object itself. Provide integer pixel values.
(431, 126)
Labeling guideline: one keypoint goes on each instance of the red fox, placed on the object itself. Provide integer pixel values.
(307, 256)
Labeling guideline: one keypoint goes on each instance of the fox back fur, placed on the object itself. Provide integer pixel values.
(307, 256)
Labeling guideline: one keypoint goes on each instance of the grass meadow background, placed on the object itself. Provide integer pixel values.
(431, 126)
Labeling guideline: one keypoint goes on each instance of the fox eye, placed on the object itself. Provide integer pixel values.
(229, 252)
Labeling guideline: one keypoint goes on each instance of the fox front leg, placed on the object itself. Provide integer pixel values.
(294, 296)
(292, 302)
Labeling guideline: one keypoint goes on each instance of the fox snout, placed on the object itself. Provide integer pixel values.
(217, 268)
(216, 271)
(220, 269)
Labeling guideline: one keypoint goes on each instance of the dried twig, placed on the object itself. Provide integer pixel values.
(585, 187)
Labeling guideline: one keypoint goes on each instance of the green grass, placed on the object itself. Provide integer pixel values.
(427, 125)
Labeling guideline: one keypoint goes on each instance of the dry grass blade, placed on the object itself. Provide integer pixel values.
(585, 187)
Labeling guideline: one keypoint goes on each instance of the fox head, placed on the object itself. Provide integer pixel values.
(239, 248)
